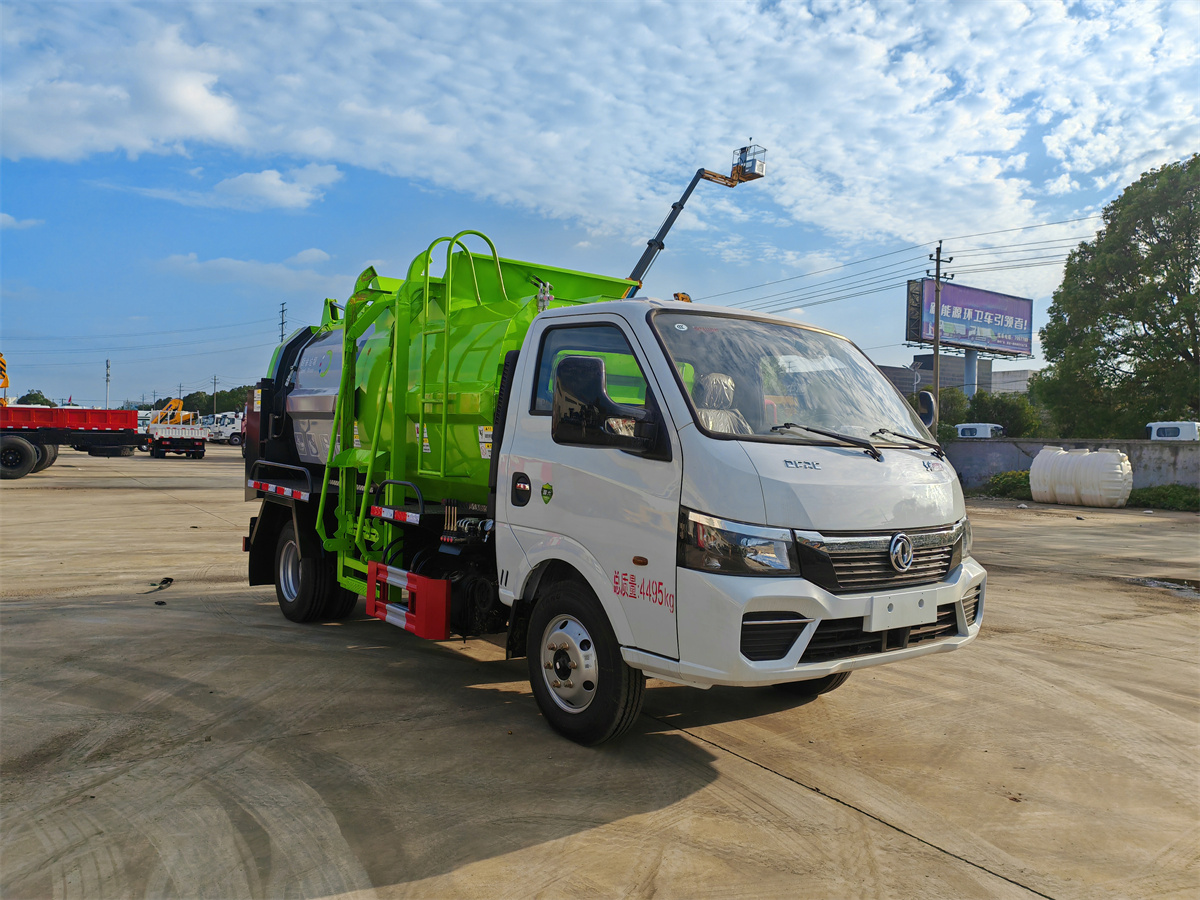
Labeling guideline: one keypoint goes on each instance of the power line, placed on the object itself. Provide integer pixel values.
(810, 274)
(102, 337)
(153, 358)
(908, 249)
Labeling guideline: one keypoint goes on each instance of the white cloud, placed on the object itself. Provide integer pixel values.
(277, 277)
(879, 119)
(253, 191)
(270, 190)
(308, 257)
(7, 221)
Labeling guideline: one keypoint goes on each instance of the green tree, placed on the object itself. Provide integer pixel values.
(1013, 411)
(232, 400)
(1123, 339)
(35, 398)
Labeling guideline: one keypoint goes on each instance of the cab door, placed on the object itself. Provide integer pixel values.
(610, 513)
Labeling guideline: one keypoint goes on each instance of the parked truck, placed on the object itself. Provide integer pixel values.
(186, 440)
(621, 487)
(31, 435)
(224, 428)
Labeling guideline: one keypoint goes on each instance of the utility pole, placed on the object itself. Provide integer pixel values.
(282, 320)
(937, 333)
(107, 380)
(214, 395)
(181, 390)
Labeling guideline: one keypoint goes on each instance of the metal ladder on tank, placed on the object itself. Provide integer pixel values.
(439, 403)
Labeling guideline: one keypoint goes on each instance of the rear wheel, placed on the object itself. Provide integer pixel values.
(583, 687)
(47, 455)
(17, 457)
(814, 687)
(306, 585)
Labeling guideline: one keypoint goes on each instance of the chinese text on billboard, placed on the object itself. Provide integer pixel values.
(971, 318)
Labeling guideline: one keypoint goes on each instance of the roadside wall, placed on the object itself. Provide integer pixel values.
(1154, 462)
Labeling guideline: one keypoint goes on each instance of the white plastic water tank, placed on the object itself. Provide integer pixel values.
(1040, 484)
(1081, 478)
(1066, 477)
(1106, 478)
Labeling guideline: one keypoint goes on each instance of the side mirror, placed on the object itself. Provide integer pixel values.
(925, 409)
(583, 413)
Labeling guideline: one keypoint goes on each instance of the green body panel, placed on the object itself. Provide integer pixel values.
(425, 356)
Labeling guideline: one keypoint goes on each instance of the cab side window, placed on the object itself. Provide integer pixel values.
(624, 380)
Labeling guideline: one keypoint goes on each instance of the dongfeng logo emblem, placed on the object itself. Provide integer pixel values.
(901, 552)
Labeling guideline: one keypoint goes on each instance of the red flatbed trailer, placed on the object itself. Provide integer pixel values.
(30, 435)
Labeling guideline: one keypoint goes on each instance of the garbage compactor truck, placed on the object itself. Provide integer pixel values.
(627, 488)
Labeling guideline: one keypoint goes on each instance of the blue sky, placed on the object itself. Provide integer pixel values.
(172, 173)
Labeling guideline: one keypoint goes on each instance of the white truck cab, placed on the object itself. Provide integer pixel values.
(979, 430)
(225, 428)
(749, 499)
(1173, 431)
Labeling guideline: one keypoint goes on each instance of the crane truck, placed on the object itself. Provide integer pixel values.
(619, 487)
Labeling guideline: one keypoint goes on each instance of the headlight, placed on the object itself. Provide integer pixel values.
(734, 548)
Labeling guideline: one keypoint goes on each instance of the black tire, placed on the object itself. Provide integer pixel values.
(199, 454)
(340, 605)
(144, 446)
(306, 586)
(110, 452)
(47, 456)
(814, 687)
(235, 439)
(17, 457)
(569, 615)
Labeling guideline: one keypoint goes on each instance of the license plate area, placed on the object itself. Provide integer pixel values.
(900, 611)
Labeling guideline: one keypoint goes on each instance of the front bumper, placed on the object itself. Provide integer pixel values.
(711, 608)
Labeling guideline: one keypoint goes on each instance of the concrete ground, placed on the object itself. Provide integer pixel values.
(207, 747)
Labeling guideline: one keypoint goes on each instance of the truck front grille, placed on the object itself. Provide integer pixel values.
(857, 563)
(873, 569)
(770, 635)
(844, 638)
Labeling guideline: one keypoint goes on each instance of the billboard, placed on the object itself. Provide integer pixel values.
(972, 319)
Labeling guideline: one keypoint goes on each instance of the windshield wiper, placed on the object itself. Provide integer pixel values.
(933, 445)
(837, 436)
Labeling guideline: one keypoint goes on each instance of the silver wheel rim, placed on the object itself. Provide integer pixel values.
(570, 667)
(289, 571)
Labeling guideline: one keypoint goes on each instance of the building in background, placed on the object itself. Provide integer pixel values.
(953, 372)
(1015, 381)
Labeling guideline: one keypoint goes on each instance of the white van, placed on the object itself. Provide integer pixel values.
(980, 430)
(1173, 431)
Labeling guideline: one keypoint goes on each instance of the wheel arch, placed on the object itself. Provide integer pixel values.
(550, 571)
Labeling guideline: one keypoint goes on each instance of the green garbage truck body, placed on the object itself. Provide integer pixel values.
(624, 487)
(438, 344)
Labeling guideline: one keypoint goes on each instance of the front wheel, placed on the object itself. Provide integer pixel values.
(583, 687)
(17, 456)
(234, 440)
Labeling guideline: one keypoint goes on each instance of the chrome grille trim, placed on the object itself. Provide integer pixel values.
(860, 562)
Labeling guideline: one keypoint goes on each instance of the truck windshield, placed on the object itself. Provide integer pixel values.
(742, 376)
